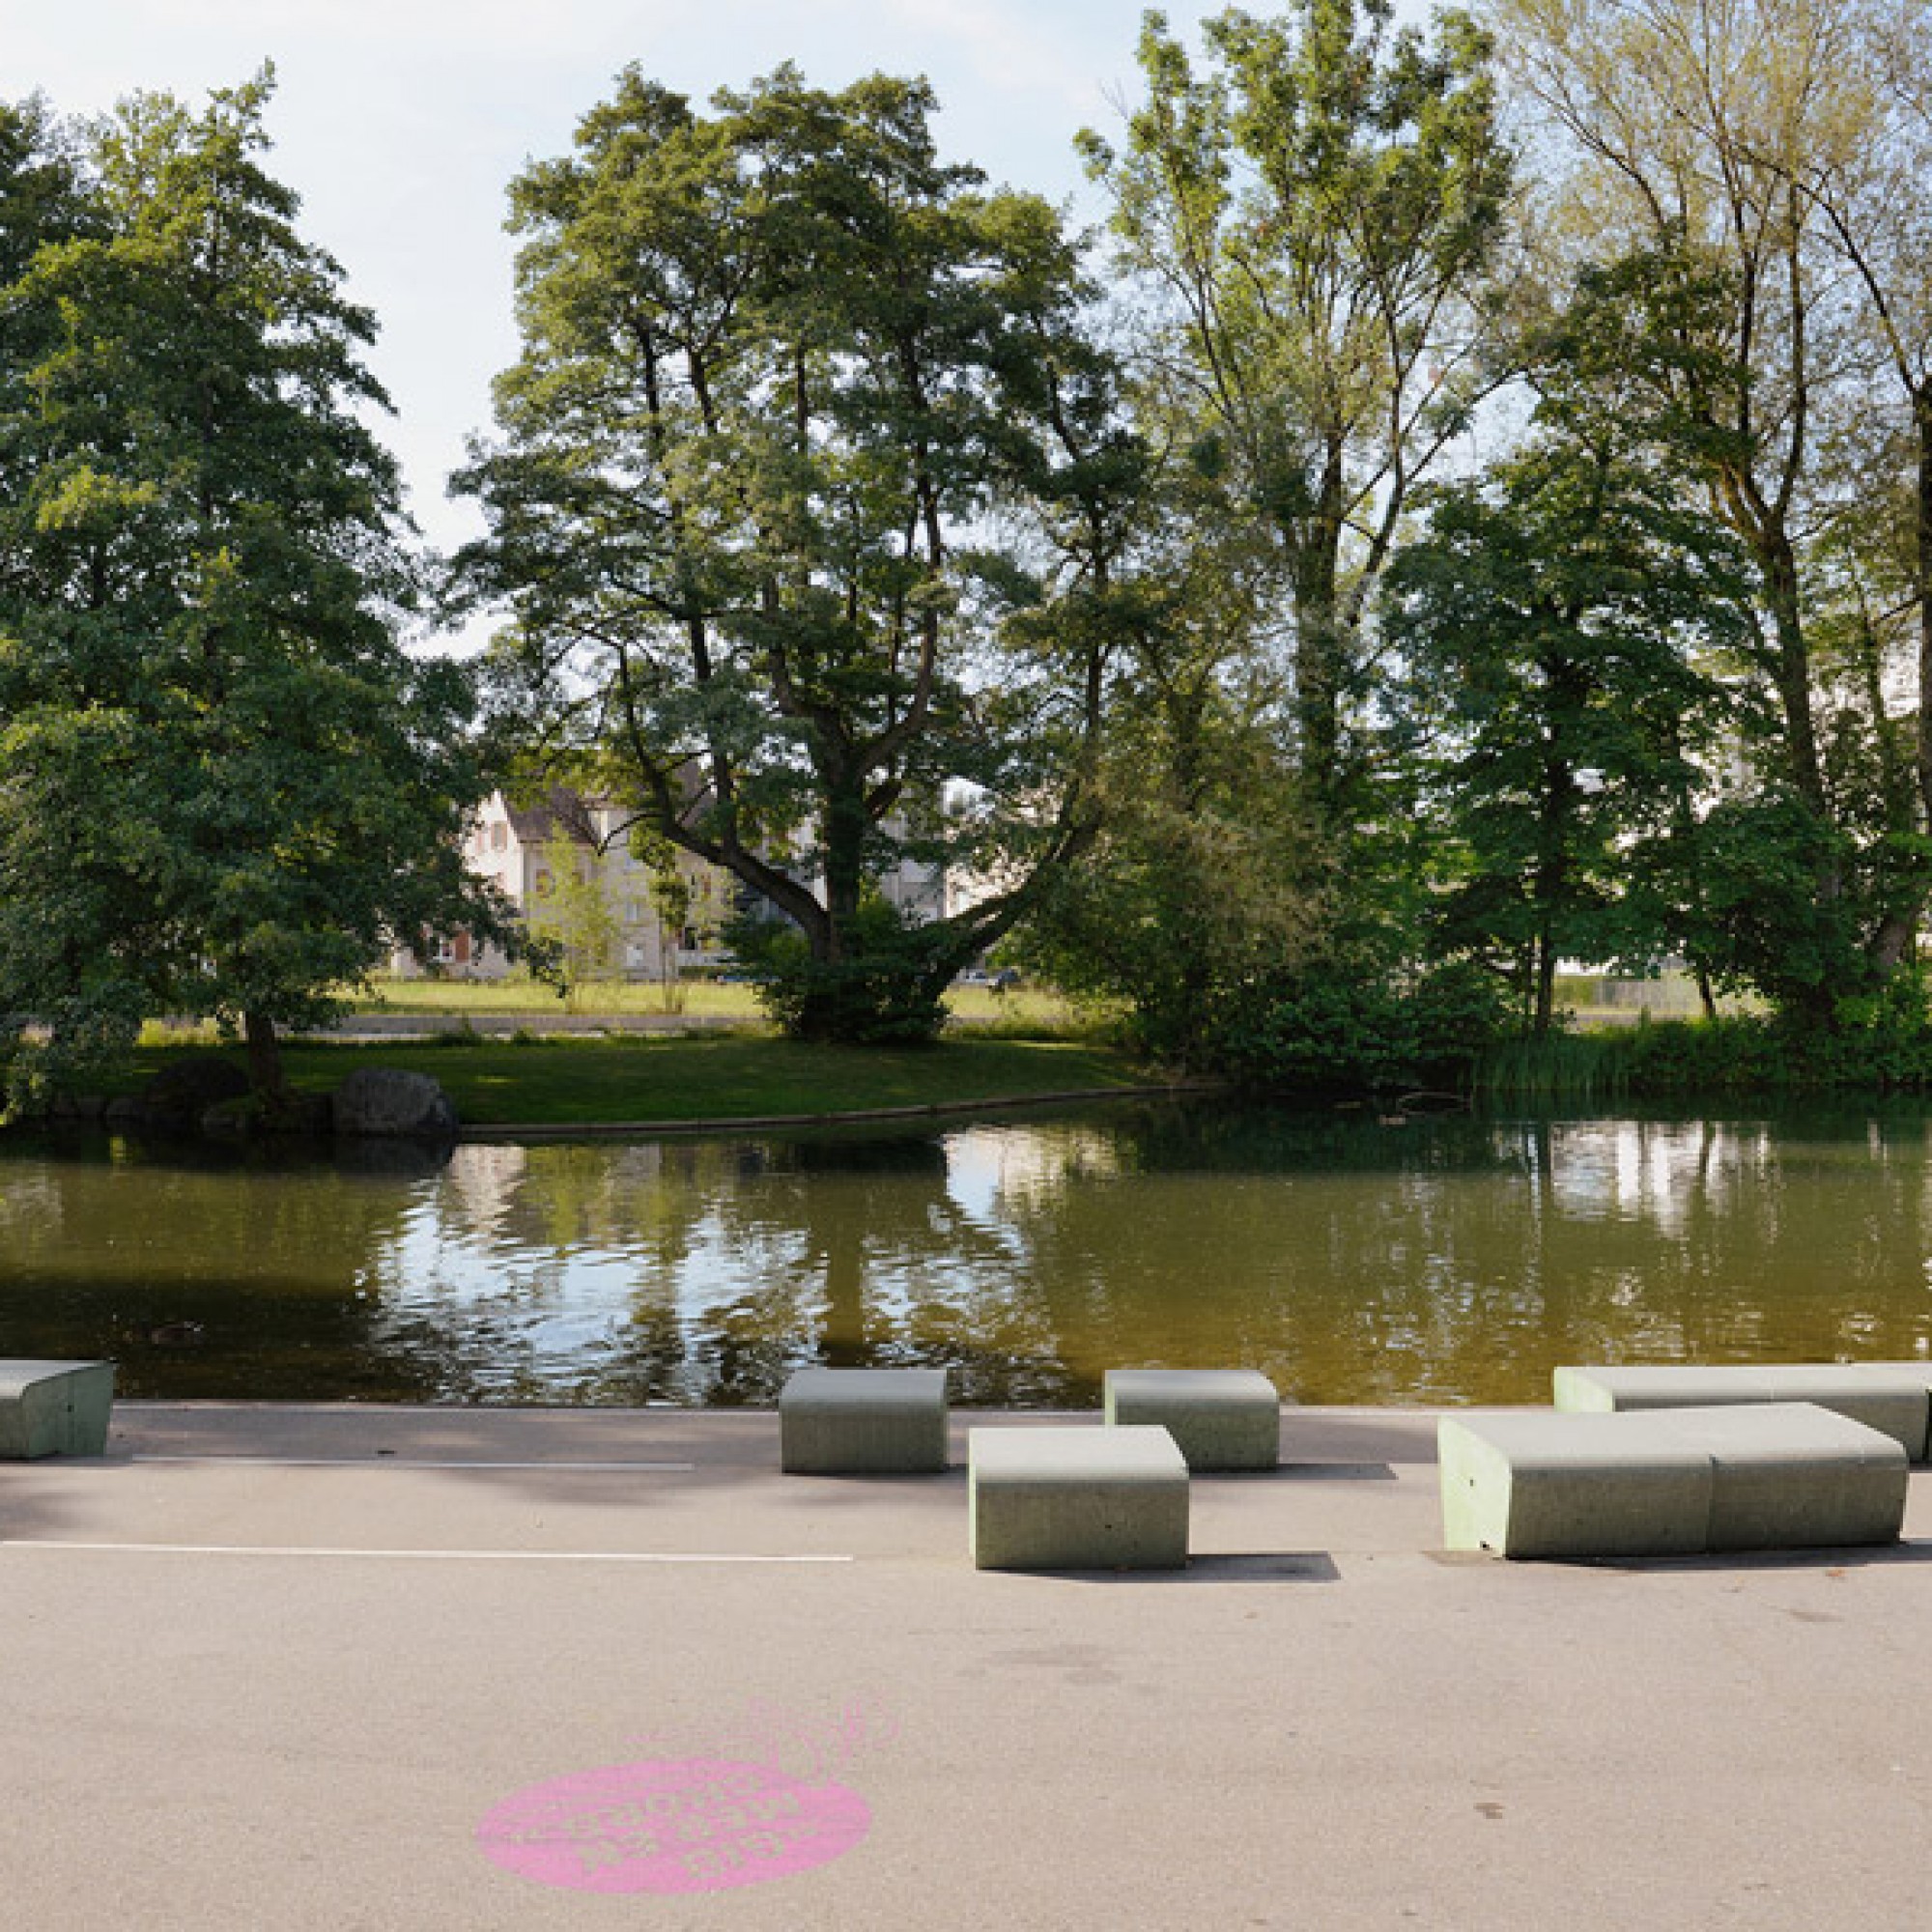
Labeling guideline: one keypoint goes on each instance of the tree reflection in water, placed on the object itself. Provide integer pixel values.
(1449, 1259)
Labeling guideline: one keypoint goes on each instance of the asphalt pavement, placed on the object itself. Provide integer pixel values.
(360, 1667)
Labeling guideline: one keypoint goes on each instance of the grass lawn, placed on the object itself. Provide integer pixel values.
(704, 999)
(1027, 1007)
(693, 1077)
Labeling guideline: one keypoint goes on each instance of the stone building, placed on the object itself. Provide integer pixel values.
(566, 868)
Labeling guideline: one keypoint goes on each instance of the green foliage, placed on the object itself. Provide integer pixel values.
(574, 920)
(1564, 622)
(1727, 317)
(1878, 1042)
(227, 789)
(1558, 1065)
(707, 1076)
(1204, 872)
(1764, 923)
(886, 987)
(808, 502)
(835, 544)
(1311, 209)
(1360, 1023)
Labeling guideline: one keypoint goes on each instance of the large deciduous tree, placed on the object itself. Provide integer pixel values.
(1869, 189)
(1743, 177)
(225, 786)
(1312, 212)
(1567, 623)
(809, 505)
(1205, 869)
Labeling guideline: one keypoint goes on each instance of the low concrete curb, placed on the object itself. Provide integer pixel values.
(852, 1117)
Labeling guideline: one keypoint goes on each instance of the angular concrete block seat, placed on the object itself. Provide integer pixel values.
(1221, 1418)
(1077, 1498)
(54, 1408)
(1895, 1398)
(837, 1422)
(1667, 1481)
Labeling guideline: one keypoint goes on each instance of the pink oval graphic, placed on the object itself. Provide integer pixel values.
(672, 1826)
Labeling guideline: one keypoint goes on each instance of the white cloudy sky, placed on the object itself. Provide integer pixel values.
(400, 121)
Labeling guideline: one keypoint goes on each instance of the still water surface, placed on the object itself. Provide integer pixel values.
(1449, 1260)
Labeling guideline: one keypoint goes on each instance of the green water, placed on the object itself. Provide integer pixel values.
(1452, 1261)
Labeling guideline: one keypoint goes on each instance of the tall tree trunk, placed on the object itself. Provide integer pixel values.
(1816, 1004)
(1317, 708)
(1921, 418)
(264, 1057)
(1802, 763)
(1315, 552)
(1545, 983)
(1550, 886)
(846, 823)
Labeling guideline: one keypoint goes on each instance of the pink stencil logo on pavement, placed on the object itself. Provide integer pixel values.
(672, 1826)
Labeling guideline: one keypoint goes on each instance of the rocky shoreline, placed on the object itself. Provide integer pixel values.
(209, 1095)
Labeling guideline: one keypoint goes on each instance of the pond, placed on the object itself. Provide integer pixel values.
(1445, 1261)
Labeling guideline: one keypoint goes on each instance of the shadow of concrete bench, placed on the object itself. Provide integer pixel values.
(1895, 1398)
(849, 1422)
(54, 1408)
(1077, 1498)
(1220, 1418)
(1667, 1481)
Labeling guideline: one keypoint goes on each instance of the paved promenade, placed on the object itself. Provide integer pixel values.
(344, 1667)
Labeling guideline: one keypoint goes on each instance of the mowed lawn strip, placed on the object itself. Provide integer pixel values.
(1024, 1009)
(598, 1082)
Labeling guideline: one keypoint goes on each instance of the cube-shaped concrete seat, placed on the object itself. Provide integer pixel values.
(1895, 1398)
(54, 1408)
(1221, 1418)
(1667, 1481)
(841, 1422)
(1793, 1475)
(1077, 1498)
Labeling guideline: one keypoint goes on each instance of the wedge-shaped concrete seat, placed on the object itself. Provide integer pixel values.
(837, 1422)
(1077, 1498)
(1667, 1481)
(1895, 1398)
(1221, 1418)
(54, 1408)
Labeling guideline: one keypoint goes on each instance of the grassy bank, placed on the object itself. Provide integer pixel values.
(598, 1082)
(1025, 1009)
(1874, 1048)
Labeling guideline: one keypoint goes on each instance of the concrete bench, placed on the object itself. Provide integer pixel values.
(1667, 1481)
(1221, 1418)
(1895, 1398)
(837, 1422)
(54, 1408)
(1077, 1498)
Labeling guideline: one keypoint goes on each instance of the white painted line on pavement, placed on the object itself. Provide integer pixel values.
(402, 1463)
(412, 1555)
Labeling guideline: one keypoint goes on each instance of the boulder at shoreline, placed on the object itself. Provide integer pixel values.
(385, 1101)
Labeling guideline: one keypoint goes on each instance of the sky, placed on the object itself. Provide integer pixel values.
(401, 122)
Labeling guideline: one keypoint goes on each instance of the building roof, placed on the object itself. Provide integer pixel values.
(562, 814)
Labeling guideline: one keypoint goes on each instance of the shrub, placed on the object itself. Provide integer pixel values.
(1880, 1040)
(887, 989)
(1344, 1024)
